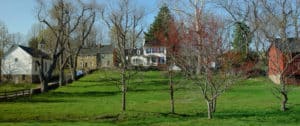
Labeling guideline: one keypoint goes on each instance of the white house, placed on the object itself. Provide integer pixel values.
(20, 64)
(150, 55)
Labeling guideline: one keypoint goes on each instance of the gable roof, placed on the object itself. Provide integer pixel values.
(35, 52)
(292, 45)
(106, 49)
(89, 51)
(31, 51)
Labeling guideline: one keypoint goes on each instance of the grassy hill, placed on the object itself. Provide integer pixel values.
(96, 100)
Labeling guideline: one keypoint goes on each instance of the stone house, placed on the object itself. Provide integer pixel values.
(95, 58)
(20, 64)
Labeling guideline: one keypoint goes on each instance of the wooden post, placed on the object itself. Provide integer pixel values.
(5, 94)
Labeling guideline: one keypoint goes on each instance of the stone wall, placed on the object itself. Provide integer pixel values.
(87, 63)
(106, 60)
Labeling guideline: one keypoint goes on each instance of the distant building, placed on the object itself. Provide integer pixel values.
(152, 54)
(278, 64)
(95, 58)
(20, 64)
(106, 57)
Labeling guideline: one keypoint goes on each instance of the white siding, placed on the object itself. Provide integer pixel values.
(35, 68)
(17, 62)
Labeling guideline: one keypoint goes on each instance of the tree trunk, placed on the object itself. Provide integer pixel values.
(72, 69)
(0, 69)
(73, 74)
(44, 85)
(284, 93)
(209, 109)
(61, 77)
(214, 105)
(61, 71)
(284, 101)
(124, 89)
(171, 92)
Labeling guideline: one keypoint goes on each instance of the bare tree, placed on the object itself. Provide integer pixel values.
(82, 33)
(5, 42)
(271, 21)
(125, 19)
(209, 53)
(280, 21)
(62, 21)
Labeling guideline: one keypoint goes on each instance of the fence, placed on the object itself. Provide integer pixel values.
(6, 95)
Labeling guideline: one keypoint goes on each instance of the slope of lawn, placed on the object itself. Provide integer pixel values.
(96, 100)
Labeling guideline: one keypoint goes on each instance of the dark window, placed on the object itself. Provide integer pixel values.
(153, 59)
(162, 60)
(16, 59)
(155, 50)
(23, 77)
(148, 50)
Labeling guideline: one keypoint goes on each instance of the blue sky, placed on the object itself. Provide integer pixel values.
(20, 15)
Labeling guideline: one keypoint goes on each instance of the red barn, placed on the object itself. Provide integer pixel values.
(284, 61)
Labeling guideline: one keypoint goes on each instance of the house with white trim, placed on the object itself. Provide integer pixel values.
(20, 64)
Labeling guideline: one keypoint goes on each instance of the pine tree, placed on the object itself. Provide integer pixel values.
(242, 39)
(160, 24)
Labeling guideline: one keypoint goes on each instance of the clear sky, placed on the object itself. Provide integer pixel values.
(20, 15)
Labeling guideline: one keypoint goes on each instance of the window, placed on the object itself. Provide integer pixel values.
(148, 50)
(161, 50)
(155, 50)
(162, 60)
(153, 59)
(108, 63)
(16, 59)
(23, 77)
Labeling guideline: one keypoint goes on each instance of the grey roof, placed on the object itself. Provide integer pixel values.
(35, 52)
(31, 51)
(291, 45)
(106, 49)
(89, 51)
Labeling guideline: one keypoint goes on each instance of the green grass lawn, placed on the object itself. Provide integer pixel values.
(95, 100)
(14, 87)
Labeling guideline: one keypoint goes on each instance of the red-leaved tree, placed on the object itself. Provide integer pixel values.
(170, 40)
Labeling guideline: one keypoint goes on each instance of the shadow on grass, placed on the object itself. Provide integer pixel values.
(83, 94)
(98, 80)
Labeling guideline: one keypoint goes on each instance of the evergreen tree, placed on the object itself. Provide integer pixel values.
(242, 39)
(160, 24)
